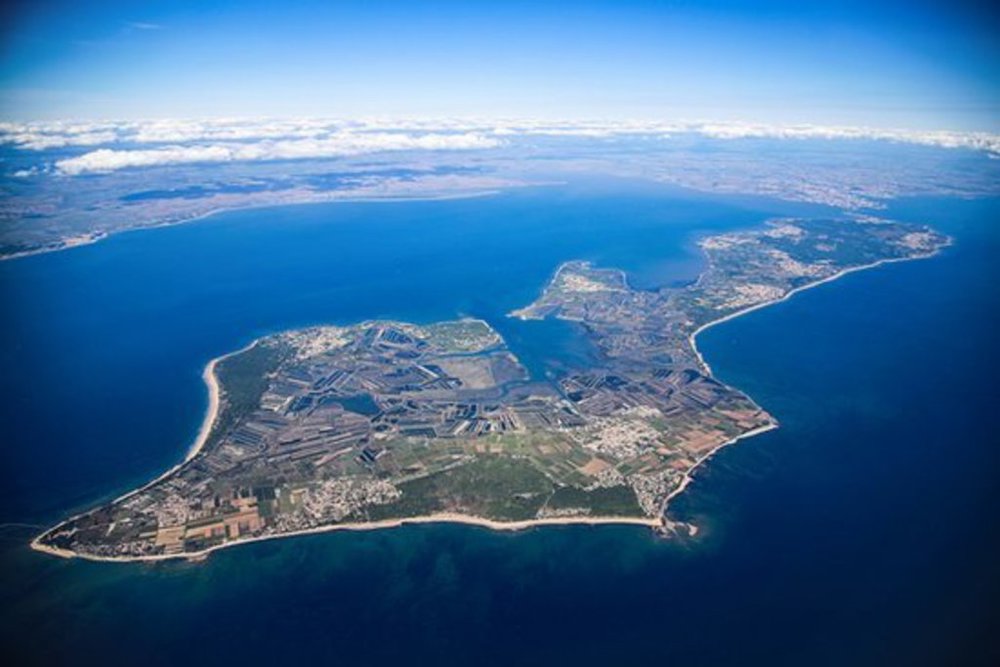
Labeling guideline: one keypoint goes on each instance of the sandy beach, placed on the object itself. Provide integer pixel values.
(212, 382)
(211, 414)
(443, 517)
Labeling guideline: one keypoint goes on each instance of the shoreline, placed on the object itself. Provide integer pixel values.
(688, 477)
(764, 304)
(689, 473)
(96, 237)
(211, 413)
(208, 421)
(437, 518)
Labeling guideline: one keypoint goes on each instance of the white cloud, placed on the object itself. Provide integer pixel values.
(739, 130)
(735, 130)
(337, 145)
(39, 141)
(179, 141)
(179, 131)
(945, 139)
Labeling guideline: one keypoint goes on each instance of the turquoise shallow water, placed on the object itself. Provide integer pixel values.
(859, 533)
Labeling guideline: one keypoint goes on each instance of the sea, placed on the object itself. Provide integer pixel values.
(864, 531)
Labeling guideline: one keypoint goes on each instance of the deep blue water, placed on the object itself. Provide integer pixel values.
(861, 532)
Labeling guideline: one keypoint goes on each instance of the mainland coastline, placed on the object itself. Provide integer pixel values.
(90, 238)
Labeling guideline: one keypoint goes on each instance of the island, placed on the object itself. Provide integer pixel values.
(382, 423)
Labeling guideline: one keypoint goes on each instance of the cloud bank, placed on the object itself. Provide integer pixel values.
(339, 145)
(133, 144)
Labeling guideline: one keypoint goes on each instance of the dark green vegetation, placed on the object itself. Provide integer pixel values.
(494, 487)
(502, 488)
(243, 378)
(612, 501)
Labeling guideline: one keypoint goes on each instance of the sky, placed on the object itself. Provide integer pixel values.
(916, 65)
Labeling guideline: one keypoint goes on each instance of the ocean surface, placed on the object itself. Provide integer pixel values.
(862, 532)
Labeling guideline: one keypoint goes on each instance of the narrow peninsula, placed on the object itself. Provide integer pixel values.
(383, 423)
